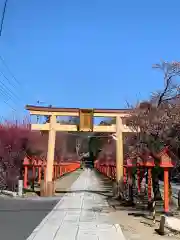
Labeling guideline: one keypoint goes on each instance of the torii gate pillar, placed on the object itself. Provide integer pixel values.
(49, 184)
(119, 157)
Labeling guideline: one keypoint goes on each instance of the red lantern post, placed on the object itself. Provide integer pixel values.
(108, 162)
(129, 169)
(26, 164)
(149, 163)
(39, 170)
(166, 163)
(125, 171)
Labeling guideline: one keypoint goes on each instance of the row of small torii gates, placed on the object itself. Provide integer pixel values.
(86, 124)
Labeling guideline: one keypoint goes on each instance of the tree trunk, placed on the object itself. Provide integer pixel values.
(156, 188)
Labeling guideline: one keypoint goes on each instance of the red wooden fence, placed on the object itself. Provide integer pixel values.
(37, 166)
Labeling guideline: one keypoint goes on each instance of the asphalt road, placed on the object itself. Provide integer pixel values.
(18, 218)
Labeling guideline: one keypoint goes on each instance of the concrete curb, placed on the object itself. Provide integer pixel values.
(119, 230)
(9, 193)
(172, 223)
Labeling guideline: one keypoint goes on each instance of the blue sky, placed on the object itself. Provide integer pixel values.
(89, 54)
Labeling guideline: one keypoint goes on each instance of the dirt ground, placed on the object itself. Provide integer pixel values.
(139, 228)
(134, 227)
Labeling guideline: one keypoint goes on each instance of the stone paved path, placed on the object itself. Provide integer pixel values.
(78, 215)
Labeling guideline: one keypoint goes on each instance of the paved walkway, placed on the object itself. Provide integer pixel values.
(78, 216)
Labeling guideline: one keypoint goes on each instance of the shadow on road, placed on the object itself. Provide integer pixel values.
(103, 193)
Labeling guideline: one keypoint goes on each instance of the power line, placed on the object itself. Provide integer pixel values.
(10, 72)
(9, 91)
(3, 16)
(3, 61)
(15, 80)
(9, 81)
(6, 101)
(5, 91)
